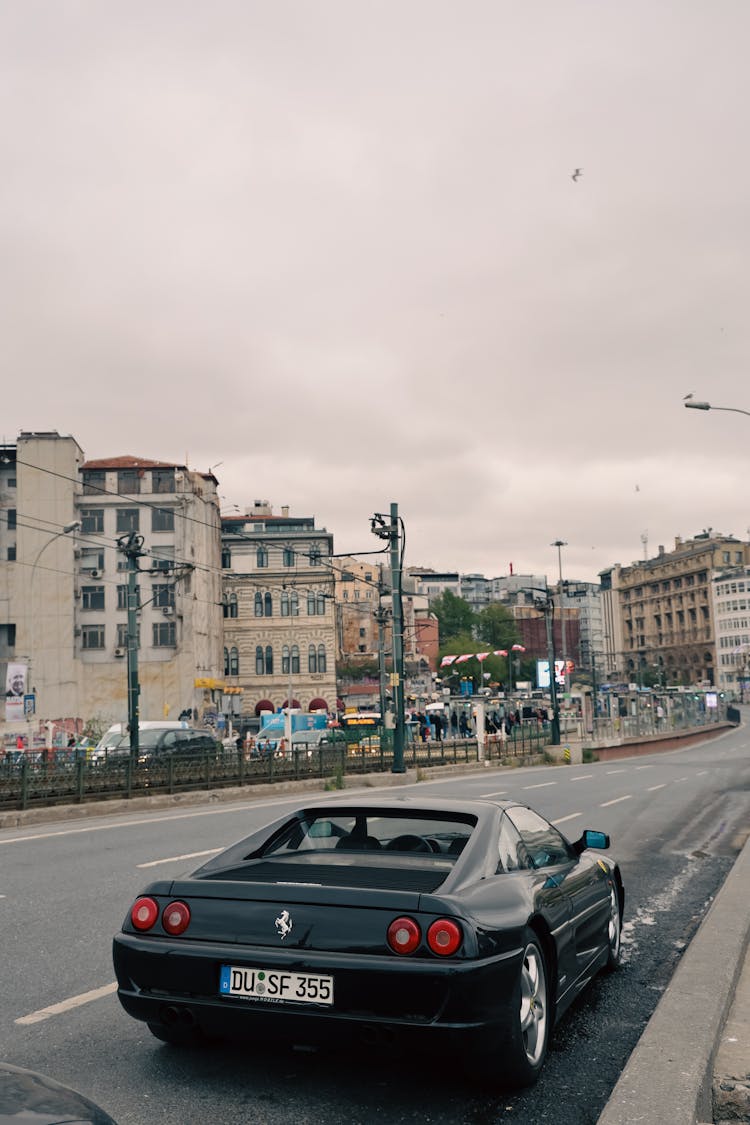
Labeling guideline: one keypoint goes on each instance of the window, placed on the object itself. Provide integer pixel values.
(129, 481)
(127, 520)
(162, 480)
(295, 660)
(321, 658)
(122, 597)
(259, 660)
(312, 659)
(288, 556)
(162, 558)
(315, 556)
(230, 605)
(311, 604)
(94, 480)
(284, 603)
(92, 597)
(261, 557)
(122, 636)
(543, 844)
(162, 519)
(267, 605)
(258, 605)
(165, 634)
(363, 632)
(285, 660)
(92, 520)
(92, 558)
(269, 660)
(234, 661)
(92, 636)
(162, 594)
(11, 554)
(321, 605)
(226, 661)
(510, 849)
(226, 558)
(11, 519)
(294, 604)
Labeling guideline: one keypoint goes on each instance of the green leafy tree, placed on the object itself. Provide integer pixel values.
(455, 617)
(496, 627)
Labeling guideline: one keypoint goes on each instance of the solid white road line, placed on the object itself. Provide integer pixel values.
(616, 801)
(67, 1005)
(178, 858)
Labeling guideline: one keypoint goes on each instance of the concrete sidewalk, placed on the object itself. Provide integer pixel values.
(692, 1064)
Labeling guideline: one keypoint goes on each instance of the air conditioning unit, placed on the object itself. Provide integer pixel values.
(168, 610)
(77, 552)
(95, 574)
(76, 593)
(120, 652)
(77, 631)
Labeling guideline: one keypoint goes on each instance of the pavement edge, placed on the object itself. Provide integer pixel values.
(669, 1076)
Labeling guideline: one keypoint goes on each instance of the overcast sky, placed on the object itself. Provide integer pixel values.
(336, 246)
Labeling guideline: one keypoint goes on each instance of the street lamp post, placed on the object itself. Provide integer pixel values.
(710, 406)
(560, 543)
(66, 530)
(393, 532)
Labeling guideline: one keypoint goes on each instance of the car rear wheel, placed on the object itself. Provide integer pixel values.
(614, 929)
(518, 1053)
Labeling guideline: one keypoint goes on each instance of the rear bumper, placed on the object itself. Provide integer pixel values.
(376, 999)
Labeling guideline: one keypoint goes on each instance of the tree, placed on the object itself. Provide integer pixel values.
(455, 616)
(496, 627)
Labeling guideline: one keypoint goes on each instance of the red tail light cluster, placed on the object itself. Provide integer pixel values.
(145, 914)
(443, 937)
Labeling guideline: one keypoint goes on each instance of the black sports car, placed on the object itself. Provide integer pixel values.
(469, 923)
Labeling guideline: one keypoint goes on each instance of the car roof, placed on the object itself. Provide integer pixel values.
(478, 807)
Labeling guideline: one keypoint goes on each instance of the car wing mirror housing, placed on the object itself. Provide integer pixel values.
(590, 838)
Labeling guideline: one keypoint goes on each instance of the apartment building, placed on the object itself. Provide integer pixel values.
(661, 610)
(730, 596)
(63, 581)
(279, 619)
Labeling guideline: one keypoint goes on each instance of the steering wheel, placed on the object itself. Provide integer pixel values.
(409, 843)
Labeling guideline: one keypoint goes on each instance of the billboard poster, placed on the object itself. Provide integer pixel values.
(15, 689)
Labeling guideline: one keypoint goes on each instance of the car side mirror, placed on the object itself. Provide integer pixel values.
(591, 839)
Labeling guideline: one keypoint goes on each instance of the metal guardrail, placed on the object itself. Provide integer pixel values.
(26, 784)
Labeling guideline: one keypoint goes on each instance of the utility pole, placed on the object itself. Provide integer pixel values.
(560, 543)
(131, 546)
(393, 533)
(381, 616)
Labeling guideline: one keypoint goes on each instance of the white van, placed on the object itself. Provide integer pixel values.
(117, 737)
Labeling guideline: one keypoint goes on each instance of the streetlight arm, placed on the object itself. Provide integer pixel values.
(708, 406)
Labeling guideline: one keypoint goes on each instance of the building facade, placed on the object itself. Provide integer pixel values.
(64, 577)
(279, 619)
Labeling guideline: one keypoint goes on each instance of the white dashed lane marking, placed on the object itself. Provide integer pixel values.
(68, 1005)
(616, 801)
(179, 858)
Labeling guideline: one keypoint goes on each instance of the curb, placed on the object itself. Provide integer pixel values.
(670, 1074)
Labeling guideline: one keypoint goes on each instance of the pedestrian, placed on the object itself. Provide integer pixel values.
(437, 720)
(463, 725)
(454, 723)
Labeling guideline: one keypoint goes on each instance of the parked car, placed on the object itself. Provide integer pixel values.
(462, 924)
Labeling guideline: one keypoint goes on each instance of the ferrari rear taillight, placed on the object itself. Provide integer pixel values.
(176, 918)
(144, 913)
(404, 935)
(444, 937)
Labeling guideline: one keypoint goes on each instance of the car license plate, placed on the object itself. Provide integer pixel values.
(268, 984)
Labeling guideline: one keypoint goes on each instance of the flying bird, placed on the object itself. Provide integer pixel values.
(576, 174)
(687, 397)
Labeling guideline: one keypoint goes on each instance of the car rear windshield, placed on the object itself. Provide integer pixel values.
(424, 833)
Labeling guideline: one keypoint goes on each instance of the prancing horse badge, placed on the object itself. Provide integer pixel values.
(283, 924)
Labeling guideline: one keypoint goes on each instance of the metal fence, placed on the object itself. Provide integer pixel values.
(25, 783)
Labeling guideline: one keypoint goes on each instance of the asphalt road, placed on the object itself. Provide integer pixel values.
(676, 822)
